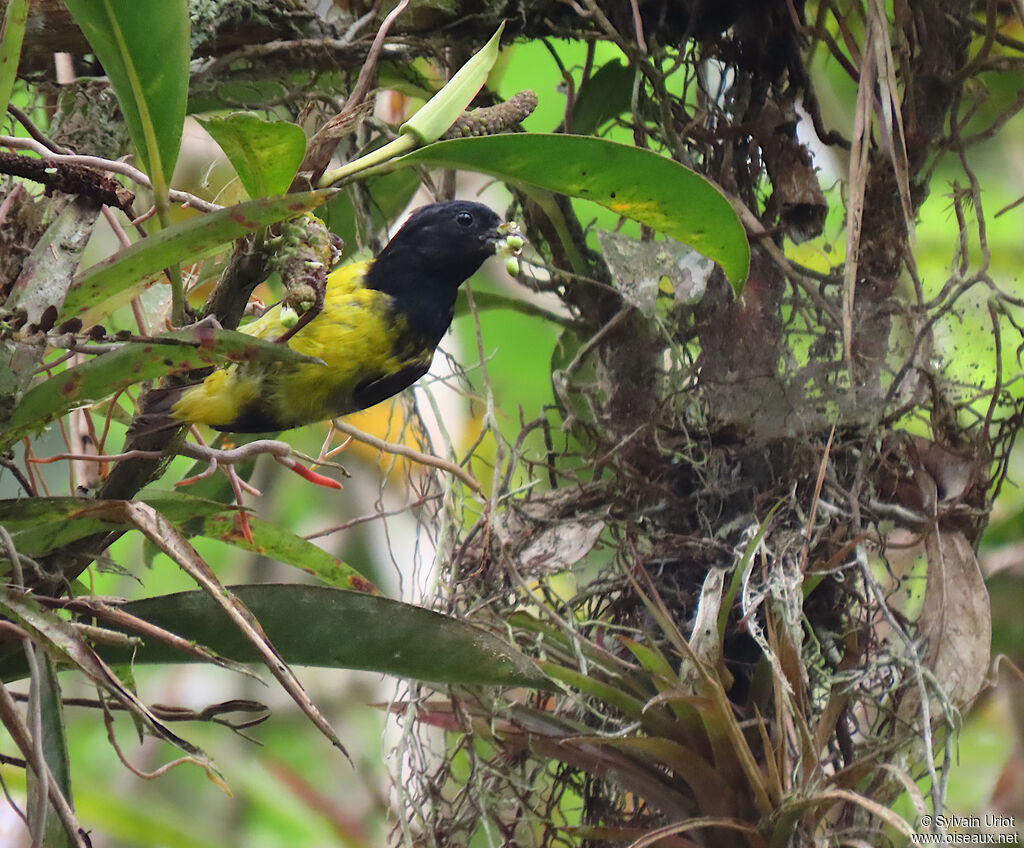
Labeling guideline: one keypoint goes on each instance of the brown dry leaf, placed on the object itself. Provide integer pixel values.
(550, 532)
(956, 618)
(560, 546)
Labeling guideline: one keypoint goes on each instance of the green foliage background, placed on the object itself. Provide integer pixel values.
(296, 790)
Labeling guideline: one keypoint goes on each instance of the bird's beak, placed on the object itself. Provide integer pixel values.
(509, 244)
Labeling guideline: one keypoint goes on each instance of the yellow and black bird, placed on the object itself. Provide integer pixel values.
(381, 321)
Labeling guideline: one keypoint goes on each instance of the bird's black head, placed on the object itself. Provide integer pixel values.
(439, 247)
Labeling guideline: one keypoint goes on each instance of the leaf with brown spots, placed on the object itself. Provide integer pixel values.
(170, 353)
(98, 290)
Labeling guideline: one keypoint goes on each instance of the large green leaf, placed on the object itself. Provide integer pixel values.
(265, 154)
(331, 628)
(12, 34)
(183, 350)
(144, 49)
(631, 181)
(114, 281)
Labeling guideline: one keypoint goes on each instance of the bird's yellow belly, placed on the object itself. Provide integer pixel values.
(355, 335)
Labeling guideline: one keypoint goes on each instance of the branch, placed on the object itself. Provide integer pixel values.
(122, 168)
(409, 453)
(70, 179)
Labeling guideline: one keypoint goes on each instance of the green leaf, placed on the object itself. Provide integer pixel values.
(266, 155)
(11, 36)
(116, 280)
(199, 346)
(41, 525)
(434, 118)
(275, 542)
(144, 49)
(201, 517)
(630, 181)
(605, 95)
(45, 696)
(594, 688)
(330, 628)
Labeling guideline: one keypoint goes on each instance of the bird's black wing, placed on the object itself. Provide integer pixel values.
(375, 389)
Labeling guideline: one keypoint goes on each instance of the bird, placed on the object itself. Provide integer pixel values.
(382, 320)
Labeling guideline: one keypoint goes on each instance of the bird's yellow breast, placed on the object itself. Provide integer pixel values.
(356, 334)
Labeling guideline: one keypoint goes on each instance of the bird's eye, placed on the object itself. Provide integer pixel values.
(464, 219)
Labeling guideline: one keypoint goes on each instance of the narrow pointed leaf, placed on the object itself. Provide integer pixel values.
(41, 525)
(170, 353)
(630, 181)
(332, 628)
(440, 112)
(100, 289)
(210, 519)
(633, 707)
(433, 118)
(150, 77)
(45, 696)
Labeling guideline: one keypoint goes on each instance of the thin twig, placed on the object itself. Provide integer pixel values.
(369, 68)
(373, 516)
(22, 118)
(411, 454)
(21, 736)
(108, 722)
(19, 475)
(122, 168)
